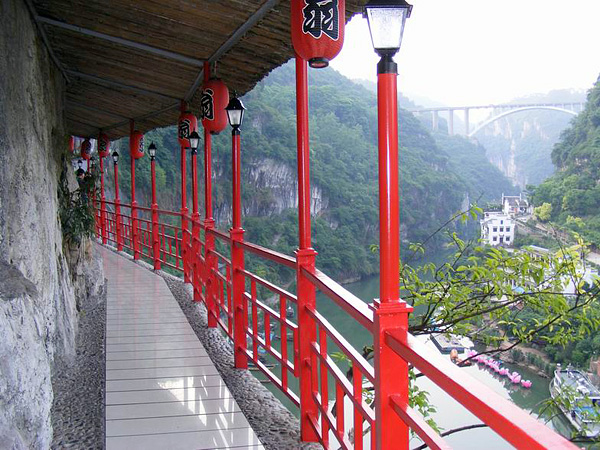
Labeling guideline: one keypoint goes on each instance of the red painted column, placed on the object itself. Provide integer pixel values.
(118, 221)
(195, 229)
(391, 371)
(237, 257)
(134, 224)
(154, 207)
(184, 214)
(305, 259)
(102, 203)
(210, 260)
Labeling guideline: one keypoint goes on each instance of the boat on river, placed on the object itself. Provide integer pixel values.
(580, 400)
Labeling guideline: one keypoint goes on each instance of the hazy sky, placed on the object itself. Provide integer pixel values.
(460, 52)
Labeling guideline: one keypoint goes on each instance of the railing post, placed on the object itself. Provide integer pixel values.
(240, 309)
(210, 263)
(134, 204)
(155, 232)
(391, 372)
(391, 375)
(305, 259)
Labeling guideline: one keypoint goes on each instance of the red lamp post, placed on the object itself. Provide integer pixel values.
(194, 142)
(154, 207)
(118, 222)
(103, 152)
(136, 151)
(235, 114)
(386, 23)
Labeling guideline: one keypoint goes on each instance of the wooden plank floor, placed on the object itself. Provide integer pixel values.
(162, 390)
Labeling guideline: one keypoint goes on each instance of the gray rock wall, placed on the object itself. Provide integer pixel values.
(38, 316)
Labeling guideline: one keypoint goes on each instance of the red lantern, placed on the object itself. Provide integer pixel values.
(86, 149)
(71, 144)
(318, 30)
(136, 145)
(187, 125)
(215, 97)
(103, 145)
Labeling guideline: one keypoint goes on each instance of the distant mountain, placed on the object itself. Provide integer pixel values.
(520, 144)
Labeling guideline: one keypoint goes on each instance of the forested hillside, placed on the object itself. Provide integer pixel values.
(574, 191)
(435, 179)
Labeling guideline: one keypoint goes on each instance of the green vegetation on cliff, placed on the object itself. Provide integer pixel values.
(435, 179)
(574, 191)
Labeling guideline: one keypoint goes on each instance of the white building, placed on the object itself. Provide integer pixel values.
(515, 205)
(497, 229)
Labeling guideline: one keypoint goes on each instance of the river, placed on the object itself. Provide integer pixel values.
(450, 414)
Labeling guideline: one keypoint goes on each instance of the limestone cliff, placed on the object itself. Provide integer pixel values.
(39, 284)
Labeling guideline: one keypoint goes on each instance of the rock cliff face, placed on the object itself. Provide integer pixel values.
(38, 315)
(275, 189)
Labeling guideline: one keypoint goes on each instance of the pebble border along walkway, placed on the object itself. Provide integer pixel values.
(162, 389)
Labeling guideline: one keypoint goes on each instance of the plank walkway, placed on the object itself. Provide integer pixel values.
(162, 389)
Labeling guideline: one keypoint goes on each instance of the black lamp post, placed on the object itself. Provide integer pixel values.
(235, 113)
(194, 141)
(152, 151)
(115, 157)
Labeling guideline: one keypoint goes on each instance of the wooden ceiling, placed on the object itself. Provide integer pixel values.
(128, 59)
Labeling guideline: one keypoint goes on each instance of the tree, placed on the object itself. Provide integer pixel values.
(544, 212)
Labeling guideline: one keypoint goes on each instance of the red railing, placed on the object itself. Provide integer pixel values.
(350, 409)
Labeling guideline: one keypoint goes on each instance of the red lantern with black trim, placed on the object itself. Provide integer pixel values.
(71, 144)
(318, 30)
(215, 97)
(188, 123)
(103, 145)
(136, 144)
(86, 149)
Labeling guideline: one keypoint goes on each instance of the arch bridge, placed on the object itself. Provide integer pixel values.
(498, 112)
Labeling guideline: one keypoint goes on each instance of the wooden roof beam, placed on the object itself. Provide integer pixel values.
(110, 83)
(125, 42)
(233, 39)
(145, 116)
(96, 110)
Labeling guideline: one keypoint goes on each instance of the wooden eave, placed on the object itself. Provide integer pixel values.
(126, 59)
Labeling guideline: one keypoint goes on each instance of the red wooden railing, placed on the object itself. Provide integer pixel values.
(249, 321)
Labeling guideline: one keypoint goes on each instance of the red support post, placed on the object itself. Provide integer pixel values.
(240, 307)
(102, 204)
(118, 221)
(184, 212)
(154, 207)
(210, 261)
(195, 229)
(305, 258)
(391, 371)
(134, 204)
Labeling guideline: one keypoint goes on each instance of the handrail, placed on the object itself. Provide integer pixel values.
(219, 234)
(342, 297)
(508, 420)
(266, 253)
(414, 420)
